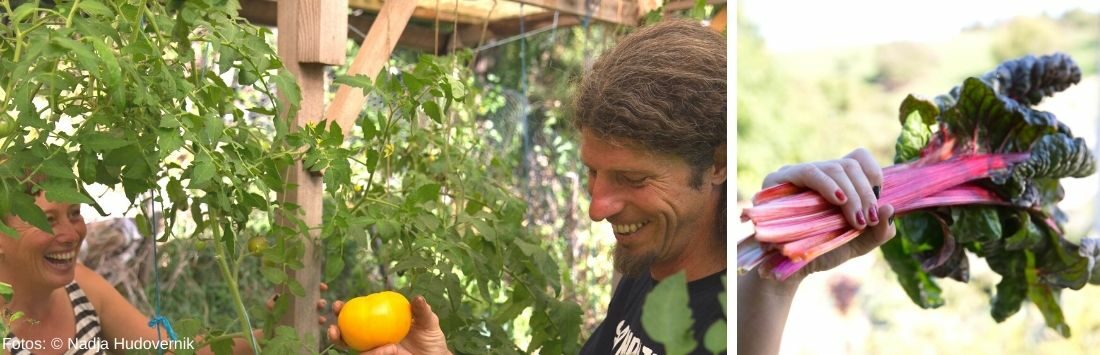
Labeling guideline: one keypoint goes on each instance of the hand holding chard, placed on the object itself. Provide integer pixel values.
(976, 169)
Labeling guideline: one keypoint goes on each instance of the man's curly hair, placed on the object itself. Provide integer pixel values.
(663, 87)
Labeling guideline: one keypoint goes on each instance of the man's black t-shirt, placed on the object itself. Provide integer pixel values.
(621, 332)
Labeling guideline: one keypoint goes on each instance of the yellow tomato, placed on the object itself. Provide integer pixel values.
(374, 320)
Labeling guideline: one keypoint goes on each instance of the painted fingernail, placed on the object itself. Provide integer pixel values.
(859, 218)
(840, 196)
(876, 190)
(873, 213)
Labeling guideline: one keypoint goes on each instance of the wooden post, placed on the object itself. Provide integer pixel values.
(373, 54)
(298, 19)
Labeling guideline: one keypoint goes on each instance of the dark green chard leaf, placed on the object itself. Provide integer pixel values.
(1027, 235)
(1012, 289)
(1022, 241)
(901, 253)
(1029, 79)
(1045, 297)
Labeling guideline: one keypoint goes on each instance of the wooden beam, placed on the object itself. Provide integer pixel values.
(307, 188)
(510, 26)
(265, 13)
(622, 12)
(468, 12)
(372, 56)
(679, 5)
(322, 36)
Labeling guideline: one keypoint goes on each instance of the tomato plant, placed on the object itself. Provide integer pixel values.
(124, 94)
(135, 94)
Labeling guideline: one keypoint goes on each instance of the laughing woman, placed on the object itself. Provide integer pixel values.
(67, 308)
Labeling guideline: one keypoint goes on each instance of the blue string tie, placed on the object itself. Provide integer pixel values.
(160, 320)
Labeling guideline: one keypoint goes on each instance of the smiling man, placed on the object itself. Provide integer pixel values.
(652, 118)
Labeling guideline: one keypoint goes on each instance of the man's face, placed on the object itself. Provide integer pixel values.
(648, 200)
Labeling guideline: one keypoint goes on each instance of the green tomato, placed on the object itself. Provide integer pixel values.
(257, 245)
(7, 124)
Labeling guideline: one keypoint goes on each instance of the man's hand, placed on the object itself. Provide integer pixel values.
(424, 338)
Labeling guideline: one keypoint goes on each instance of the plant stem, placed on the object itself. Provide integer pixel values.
(72, 11)
(234, 291)
(212, 340)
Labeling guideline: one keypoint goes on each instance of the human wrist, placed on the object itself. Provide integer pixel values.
(776, 287)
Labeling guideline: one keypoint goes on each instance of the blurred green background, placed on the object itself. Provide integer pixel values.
(816, 81)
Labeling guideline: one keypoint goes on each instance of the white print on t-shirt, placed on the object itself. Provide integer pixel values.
(628, 344)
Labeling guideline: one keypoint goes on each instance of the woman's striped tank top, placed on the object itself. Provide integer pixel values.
(87, 326)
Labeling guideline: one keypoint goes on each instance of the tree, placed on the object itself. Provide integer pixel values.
(900, 63)
(1026, 35)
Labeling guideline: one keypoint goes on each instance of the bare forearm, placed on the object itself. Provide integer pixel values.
(762, 308)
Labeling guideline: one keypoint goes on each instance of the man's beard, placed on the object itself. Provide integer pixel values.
(631, 265)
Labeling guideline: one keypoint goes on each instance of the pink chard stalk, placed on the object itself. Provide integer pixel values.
(977, 170)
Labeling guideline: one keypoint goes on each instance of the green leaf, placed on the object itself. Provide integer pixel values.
(1027, 234)
(9, 231)
(358, 81)
(214, 127)
(981, 224)
(273, 275)
(6, 291)
(188, 328)
(432, 109)
(84, 55)
(58, 167)
(296, 288)
(222, 346)
(23, 11)
(1046, 298)
(924, 108)
(666, 316)
(413, 81)
(23, 206)
(915, 134)
(333, 267)
(143, 224)
(413, 261)
(715, 339)
(64, 192)
(458, 90)
(103, 142)
(899, 253)
(1058, 156)
(169, 141)
(96, 8)
(288, 87)
(424, 193)
(111, 70)
(203, 170)
(526, 248)
(1012, 289)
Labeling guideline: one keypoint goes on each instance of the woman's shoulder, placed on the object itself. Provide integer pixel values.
(94, 286)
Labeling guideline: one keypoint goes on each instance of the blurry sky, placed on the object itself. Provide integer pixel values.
(797, 25)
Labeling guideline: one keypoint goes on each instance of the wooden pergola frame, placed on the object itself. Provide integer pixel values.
(312, 34)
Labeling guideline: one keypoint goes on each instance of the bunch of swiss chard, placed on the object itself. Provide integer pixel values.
(975, 170)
